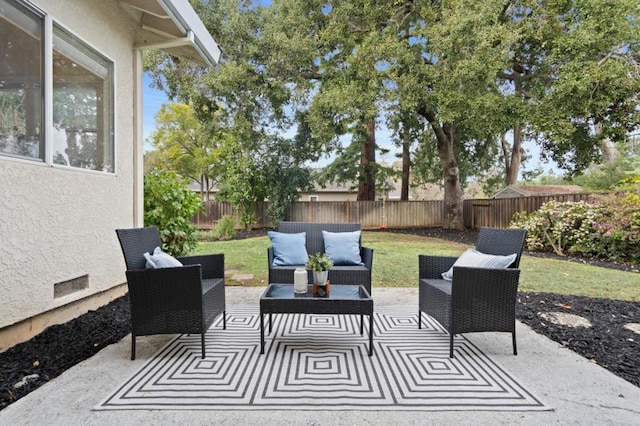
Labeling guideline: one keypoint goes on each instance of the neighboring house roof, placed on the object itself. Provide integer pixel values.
(173, 26)
(539, 190)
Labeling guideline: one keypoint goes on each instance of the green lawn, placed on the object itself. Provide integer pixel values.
(395, 264)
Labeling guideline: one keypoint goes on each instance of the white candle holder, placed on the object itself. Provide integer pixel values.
(300, 280)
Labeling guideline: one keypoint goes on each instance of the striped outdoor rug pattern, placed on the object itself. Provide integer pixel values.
(320, 362)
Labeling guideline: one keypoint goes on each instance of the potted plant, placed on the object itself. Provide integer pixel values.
(320, 264)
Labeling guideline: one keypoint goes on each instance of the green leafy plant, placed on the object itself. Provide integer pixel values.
(618, 231)
(563, 227)
(170, 205)
(608, 228)
(224, 229)
(319, 262)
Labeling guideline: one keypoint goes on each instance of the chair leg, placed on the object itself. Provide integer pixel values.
(450, 345)
(419, 319)
(202, 343)
(224, 320)
(133, 346)
(513, 336)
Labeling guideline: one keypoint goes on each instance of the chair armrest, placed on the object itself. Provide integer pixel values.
(366, 254)
(485, 283)
(484, 299)
(432, 267)
(269, 257)
(212, 264)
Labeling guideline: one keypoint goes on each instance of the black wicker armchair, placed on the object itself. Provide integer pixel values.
(477, 299)
(179, 300)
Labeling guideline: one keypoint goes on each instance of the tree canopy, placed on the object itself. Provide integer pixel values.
(460, 83)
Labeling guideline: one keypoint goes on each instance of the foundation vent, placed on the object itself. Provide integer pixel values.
(71, 286)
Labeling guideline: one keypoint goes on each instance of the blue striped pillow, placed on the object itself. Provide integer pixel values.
(475, 259)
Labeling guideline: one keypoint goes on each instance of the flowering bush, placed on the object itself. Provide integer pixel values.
(609, 229)
(562, 227)
(619, 230)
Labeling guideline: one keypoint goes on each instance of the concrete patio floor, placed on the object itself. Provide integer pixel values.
(580, 392)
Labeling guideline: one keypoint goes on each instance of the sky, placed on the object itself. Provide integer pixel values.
(152, 100)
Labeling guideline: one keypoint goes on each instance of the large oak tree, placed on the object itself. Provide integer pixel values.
(454, 77)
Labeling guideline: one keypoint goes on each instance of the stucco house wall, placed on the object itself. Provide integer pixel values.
(57, 223)
(328, 196)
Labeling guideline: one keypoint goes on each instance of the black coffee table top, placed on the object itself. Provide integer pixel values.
(336, 292)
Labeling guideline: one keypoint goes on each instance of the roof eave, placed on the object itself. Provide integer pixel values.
(175, 28)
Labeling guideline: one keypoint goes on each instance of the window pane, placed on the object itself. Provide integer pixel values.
(20, 77)
(82, 105)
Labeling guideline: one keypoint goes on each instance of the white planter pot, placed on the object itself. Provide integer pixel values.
(320, 277)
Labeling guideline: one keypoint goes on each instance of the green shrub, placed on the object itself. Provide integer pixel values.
(609, 229)
(170, 205)
(205, 235)
(561, 227)
(619, 229)
(224, 229)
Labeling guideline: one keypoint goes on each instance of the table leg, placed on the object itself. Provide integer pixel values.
(371, 334)
(270, 323)
(361, 323)
(261, 333)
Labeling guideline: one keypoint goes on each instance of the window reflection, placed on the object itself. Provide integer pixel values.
(20, 77)
(83, 109)
(82, 104)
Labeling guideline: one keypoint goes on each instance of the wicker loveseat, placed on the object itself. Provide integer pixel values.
(339, 274)
(477, 298)
(176, 300)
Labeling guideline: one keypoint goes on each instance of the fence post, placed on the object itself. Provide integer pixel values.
(384, 214)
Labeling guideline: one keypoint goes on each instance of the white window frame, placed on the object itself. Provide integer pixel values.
(314, 198)
(47, 97)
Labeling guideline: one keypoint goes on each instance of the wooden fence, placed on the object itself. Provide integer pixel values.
(370, 214)
(214, 210)
(496, 213)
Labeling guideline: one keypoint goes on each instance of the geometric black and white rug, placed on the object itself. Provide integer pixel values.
(320, 362)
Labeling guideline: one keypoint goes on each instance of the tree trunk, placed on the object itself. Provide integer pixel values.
(445, 135)
(203, 188)
(512, 166)
(367, 181)
(608, 149)
(406, 164)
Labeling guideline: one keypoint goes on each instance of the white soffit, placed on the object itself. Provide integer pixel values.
(173, 26)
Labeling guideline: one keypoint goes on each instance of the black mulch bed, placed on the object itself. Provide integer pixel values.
(28, 365)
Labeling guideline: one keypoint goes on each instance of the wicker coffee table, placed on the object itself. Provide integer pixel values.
(342, 299)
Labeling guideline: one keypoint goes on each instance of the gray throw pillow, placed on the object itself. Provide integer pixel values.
(475, 259)
(160, 259)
